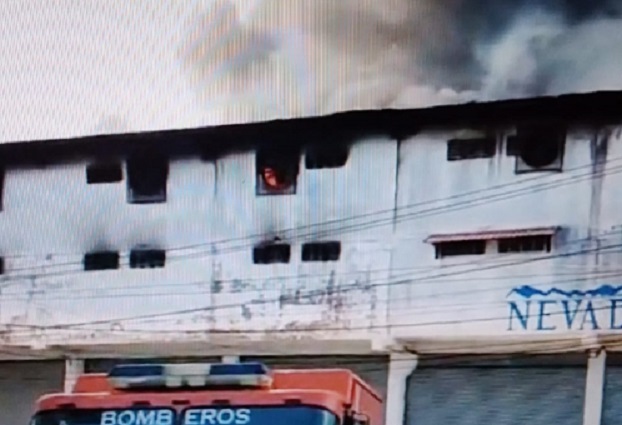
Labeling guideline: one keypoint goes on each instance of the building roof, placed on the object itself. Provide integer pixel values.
(597, 108)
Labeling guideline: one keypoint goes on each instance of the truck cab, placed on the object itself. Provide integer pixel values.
(213, 394)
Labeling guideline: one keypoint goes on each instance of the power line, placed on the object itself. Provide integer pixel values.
(357, 227)
(70, 294)
(322, 329)
(238, 305)
(9, 278)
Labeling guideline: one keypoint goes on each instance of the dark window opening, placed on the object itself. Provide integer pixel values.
(455, 248)
(105, 260)
(2, 173)
(540, 243)
(272, 254)
(1, 265)
(326, 157)
(104, 173)
(321, 251)
(512, 146)
(277, 171)
(147, 175)
(537, 147)
(458, 149)
(147, 258)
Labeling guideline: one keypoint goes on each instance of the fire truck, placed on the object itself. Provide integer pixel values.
(213, 394)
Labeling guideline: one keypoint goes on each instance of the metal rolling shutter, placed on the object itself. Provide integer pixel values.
(612, 397)
(21, 383)
(496, 395)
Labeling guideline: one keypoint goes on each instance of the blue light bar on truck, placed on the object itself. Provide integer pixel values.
(189, 375)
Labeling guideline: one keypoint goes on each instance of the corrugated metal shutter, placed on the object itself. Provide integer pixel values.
(372, 369)
(105, 365)
(21, 383)
(496, 395)
(612, 398)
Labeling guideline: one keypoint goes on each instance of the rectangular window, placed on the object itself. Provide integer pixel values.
(460, 149)
(105, 260)
(540, 243)
(326, 157)
(455, 248)
(147, 176)
(2, 178)
(1, 265)
(104, 173)
(537, 148)
(272, 254)
(277, 171)
(321, 251)
(529, 136)
(512, 147)
(147, 258)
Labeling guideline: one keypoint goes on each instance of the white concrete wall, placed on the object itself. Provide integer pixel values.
(470, 295)
(386, 271)
(209, 225)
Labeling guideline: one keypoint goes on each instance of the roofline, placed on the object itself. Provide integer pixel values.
(599, 108)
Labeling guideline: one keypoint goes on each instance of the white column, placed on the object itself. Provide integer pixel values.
(73, 369)
(230, 359)
(401, 366)
(594, 387)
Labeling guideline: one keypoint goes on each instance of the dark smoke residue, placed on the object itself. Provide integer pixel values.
(299, 57)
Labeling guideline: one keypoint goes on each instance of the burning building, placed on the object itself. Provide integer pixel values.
(465, 251)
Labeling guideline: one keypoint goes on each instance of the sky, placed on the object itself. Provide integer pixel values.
(81, 67)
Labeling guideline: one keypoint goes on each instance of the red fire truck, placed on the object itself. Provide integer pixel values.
(213, 394)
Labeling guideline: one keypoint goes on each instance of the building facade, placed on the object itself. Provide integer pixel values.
(462, 259)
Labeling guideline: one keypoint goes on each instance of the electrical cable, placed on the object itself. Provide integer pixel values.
(451, 208)
(392, 210)
(212, 308)
(70, 294)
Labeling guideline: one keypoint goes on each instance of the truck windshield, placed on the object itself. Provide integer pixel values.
(208, 415)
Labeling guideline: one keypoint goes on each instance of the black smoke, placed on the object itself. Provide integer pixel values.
(286, 58)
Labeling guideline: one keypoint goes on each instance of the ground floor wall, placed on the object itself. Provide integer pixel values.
(22, 383)
(581, 388)
(612, 395)
(512, 390)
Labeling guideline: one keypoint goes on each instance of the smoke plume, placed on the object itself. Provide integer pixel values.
(253, 60)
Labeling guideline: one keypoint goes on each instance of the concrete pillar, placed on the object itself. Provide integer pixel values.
(230, 359)
(594, 387)
(73, 369)
(401, 366)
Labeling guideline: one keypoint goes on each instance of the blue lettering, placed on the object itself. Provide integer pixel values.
(614, 307)
(570, 314)
(522, 317)
(542, 315)
(589, 310)
(137, 417)
(217, 417)
(192, 417)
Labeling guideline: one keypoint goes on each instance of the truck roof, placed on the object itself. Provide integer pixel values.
(330, 388)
